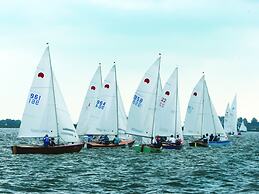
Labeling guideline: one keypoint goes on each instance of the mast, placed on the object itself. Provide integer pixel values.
(116, 97)
(212, 114)
(202, 103)
(176, 103)
(54, 97)
(154, 113)
(100, 65)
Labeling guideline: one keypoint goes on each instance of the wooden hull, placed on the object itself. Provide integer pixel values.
(171, 146)
(123, 143)
(143, 148)
(38, 149)
(198, 143)
(219, 143)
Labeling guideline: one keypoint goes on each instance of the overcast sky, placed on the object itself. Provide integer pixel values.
(220, 38)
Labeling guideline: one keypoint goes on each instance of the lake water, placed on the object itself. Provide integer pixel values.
(232, 169)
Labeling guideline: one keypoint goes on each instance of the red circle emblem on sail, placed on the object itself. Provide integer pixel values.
(167, 93)
(41, 75)
(107, 86)
(147, 80)
(195, 94)
(92, 87)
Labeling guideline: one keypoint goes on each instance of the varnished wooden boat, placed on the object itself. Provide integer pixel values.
(123, 143)
(198, 143)
(40, 149)
(172, 146)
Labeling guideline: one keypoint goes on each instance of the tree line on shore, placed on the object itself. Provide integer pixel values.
(253, 125)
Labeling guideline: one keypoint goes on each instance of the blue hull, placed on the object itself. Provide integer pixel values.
(219, 143)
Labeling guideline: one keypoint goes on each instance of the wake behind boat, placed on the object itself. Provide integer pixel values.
(46, 115)
(202, 120)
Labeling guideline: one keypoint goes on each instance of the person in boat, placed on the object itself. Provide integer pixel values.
(178, 140)
(216, 138)
(52, 142)
(90, 138)
(211, 137)
(104, 139)
(204, 139)
(172, 139)
(157, 143)
(163, 138)
(46, 140)
(116, 140)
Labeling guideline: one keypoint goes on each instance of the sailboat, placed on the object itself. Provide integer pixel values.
(201, 117)
(108, 115)
(230, 119)
(93, 91)
(168, 120)
(243, 128)
(141, 121)
(46, 113)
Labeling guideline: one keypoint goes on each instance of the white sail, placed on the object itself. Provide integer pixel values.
(227, 121)
(201, 116)
(142, 111)
(121, 114)
(233, 116)
(105, 109)
(45, 110)
(243, 127)
(89, 102)
(168, 111)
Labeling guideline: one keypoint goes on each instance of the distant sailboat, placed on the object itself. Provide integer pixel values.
(168, 120)
(46, 113)
(243, 128)
(141, 121)
(108, 115)
(230, 119)
(201, 117)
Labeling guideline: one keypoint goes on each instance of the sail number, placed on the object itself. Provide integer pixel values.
(137, 101)
(100, 104)
(34, 99)
(162, 102)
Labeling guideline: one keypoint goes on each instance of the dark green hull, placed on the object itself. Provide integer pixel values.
(144, 148)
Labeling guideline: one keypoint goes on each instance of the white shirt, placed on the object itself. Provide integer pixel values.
(172, 139)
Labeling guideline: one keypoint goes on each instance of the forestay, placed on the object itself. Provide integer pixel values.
(45, 110)
(89, 102)
(142, 110)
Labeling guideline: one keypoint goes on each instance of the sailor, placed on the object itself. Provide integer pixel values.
(178, 140)
(205, 139)
(211, 137)
(116, 140)
(157, 142)
(104, 139)
(52, 142)
(172, 139)
(46, 140)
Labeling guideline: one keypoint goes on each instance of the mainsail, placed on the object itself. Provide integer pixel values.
(45, 110)
(168, 121)
(141, 118)
(89, 102)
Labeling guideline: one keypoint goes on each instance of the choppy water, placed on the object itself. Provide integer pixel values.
(233, 169)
